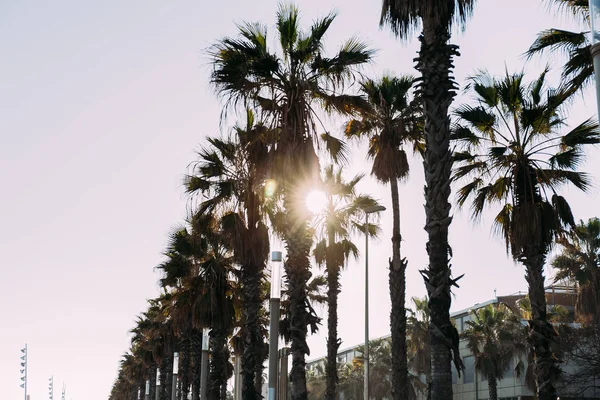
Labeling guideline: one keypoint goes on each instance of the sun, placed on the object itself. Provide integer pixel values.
(316, 201)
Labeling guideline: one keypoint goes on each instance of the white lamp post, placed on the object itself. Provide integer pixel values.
(595, 24)
(157, 388)
(367, 210)
(175, 372)
(204, 364)
(276, 258)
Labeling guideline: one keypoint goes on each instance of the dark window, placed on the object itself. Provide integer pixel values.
(469, 372)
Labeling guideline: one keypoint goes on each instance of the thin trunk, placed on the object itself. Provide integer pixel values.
(397, 282)
(298, 243)
(493, 387)
(184, 371)
(152, 382)
(196, 350)
(333, 343)
(437, 89)
(165, 383)
(252, 356)
(541, 332)
(218, 363)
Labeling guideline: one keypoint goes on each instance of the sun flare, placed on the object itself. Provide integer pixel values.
(316, 201)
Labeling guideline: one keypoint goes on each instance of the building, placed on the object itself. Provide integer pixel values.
(471, 385)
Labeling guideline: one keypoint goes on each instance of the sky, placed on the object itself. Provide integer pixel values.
(102, 106)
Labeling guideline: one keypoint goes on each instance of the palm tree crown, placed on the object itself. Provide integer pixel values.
(580, 261)
(495, 337)
(578, 70)
(517, 156)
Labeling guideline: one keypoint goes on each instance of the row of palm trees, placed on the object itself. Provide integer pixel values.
(249, 186)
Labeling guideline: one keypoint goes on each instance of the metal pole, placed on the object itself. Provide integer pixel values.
(283, 373)
(237, 387)
(366, 351)
(175, 372)
(204, 365)
(274, 302)
(157, 386)
(147, 391)
(273, 344)
(595, 50)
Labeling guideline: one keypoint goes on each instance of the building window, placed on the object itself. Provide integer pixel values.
(469, 372)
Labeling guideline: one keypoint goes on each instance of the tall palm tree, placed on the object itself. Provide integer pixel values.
(230, 175)
(391, 123)
(517, 157)
(334, 225)
(494, 337)
(580, 261)
(437, 90)
(578, 70)
(286, 86)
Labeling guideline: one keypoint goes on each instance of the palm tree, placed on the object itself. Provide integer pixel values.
(495, 337)
(230, 174)
(340, 217)
(580, 261)
(518, 158)
(578, 70)
(418, 346)
(436, 90)
(390, 123)
(286, 89)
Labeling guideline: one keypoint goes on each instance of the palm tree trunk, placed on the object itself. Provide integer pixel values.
(437, 89)
(397, 284)
(152, 378)
(218, 363)
(493, 387)
(333, 344)
(252, 338)
(165, 391)
(541, 332)
(185, 364)
(196, 350)
(297, 269)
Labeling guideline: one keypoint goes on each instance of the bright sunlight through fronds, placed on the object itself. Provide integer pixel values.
(316, 201)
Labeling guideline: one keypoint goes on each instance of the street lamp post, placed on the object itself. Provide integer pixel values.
(367, 210)
(175, 372)
(204, 365)
(274, 302)
(24, 369)
(595, 25)
(157, 385)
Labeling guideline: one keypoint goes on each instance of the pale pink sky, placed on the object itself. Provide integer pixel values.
(101, 107)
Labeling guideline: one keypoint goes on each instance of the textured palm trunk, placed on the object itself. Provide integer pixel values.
(492, 387)
(541, 332)
(397, 282)
(196, 350)
(437, 90)
(252, 340)
(297, 269)
(152, 382)
(165, 382)
(218, 364)
(184, 373)
(333, 344)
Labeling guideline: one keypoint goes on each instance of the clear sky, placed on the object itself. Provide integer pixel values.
(101, 107)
